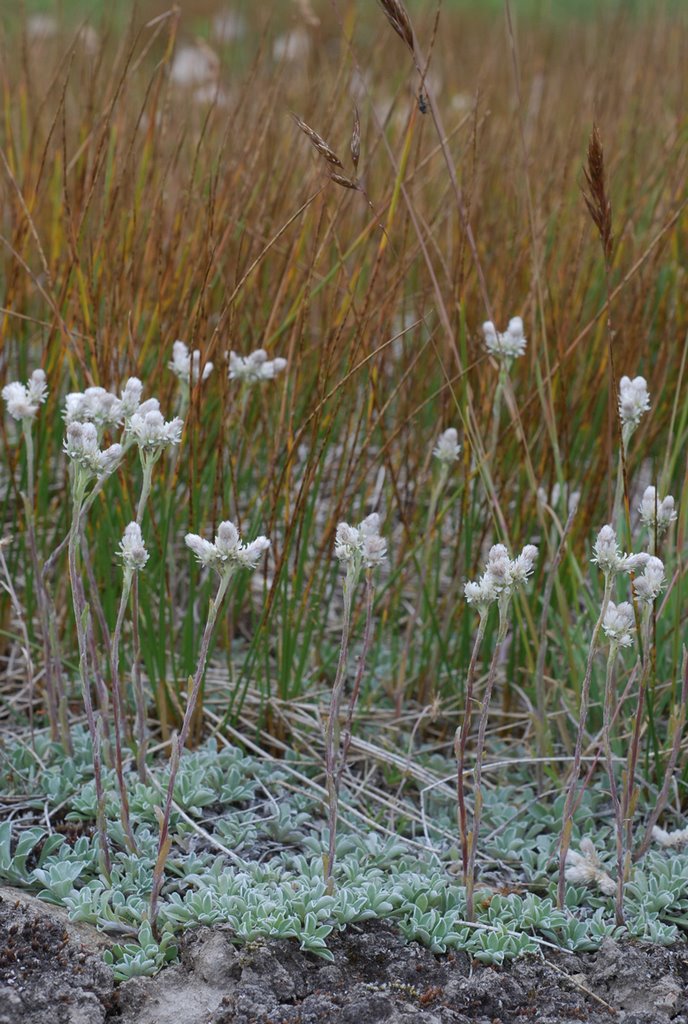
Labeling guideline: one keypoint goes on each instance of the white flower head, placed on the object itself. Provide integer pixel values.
(255, 367)
(501, 577)
(584, 868)
(152, 433)
(657, 512)
(670, 840)
(23, 400)
(228, 552)
(94, 405)
(650, 584)
(608, 555)
(447, 449)
(130, 399)
(187, 365)
(619, 623)
(132, 550)
(634, 400)
(83, 448)
(360, 546)
(509, 345)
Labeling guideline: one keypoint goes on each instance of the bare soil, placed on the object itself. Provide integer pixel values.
(51, 973)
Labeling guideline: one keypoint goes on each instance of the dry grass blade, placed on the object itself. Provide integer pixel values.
(399, 20)
(325, 150)
(596, 199)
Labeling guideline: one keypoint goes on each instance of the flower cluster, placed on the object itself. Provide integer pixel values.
(584, 868)
(23, 400)
(132, 550)
(656, 512)
(360, 546)
(447, 449)
(634, 400)
(152, 433)
(619, 623)
(187, 365)
(649, 585)
(609, 556)
(670, 840)
(254, 368)
(228, 552)
(94, 405)
(508, 345)
(502, 575)
(83, 448)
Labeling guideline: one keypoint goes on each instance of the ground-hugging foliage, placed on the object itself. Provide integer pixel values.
(272, 885)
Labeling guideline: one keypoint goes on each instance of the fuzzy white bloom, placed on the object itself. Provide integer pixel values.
(194, 65)
(447, 449)
(634, 400)
(228, 26)
(130, 399)
(83, 448)
(23, 400)
(584, 868)
(619, 623)
(152, 433)
(508, 345)
(187, 365)
(255, 367)
(610, 558)
(654, 510)
(649, 585)
(132, 550)
(228, 552)
(291, 47)
(94, 405)
(361, 546)
(502, 575)
(40, 27)
(670, 840)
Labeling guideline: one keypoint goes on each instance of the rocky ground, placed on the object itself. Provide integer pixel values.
(51, 971)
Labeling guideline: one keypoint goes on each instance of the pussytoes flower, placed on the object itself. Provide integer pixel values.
(650, 584)
(187, 365)
(255, 367)
(447, 449)
(619, 623)
(228, 552)
(83, 448)
(23, 400)
(610, 558)
(670, 840)
(654, 510)
(501, 577)
(509, 345)
(152, 433)
(634, 400)
(94, 405)
(584, 868)
(132, 550)
(360, 546)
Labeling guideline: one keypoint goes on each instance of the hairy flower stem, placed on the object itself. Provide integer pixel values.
(356, 689)
(178, 744)
(116, 709)
(497, 409)
(630, 794)
(147, 464)
(463, 739)
(81, 615)
(609, 756)
(567, 816)
(479, 750)
(330, 732)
